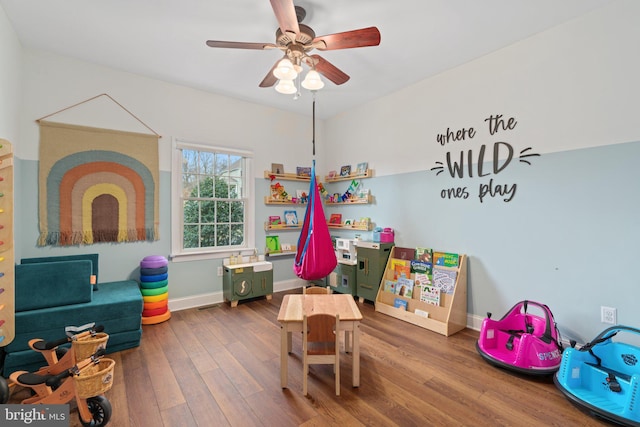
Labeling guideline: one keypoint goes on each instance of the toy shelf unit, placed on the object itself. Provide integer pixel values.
(445, 314)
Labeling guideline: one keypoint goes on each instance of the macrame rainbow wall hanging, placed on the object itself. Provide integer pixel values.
(97, 185)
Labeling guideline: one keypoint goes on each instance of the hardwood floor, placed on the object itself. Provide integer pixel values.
(220, 366)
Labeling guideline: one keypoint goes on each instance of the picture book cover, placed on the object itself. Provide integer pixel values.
(421, 279)
(274, 220)
(444, 279)
(402, 271)
(390, 286)
(345, 170)
(424, 254)
(421, 266)
(446, 259)
(290, 218)
(303, 171)
(404, 287)
(273, 244)
(430, 294)
(400, 303)
(277, 168)
(361, 168)
(335, 218)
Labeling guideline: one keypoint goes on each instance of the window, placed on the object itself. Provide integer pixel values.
(213, 199)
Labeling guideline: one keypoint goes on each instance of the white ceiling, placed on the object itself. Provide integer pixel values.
(165, 39)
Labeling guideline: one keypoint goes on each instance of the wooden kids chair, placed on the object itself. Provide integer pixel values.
(320, 345)
(316, 290)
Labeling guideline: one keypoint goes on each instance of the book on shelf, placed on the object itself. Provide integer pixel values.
(361, 168)
(390, 286)
(421, 279)
(364, 221)
(402, 271)
(345, 170)
(273, 244)
(277, 168)
(444, 279)
(430, 294)
(418, 266)
(335, 218)
(349, 221)
(446, 259)
(274, 220)
(332, 174)
(424, 254)
(290, 218)
(285, 247)
(303, 171)
(404, 287)
(400, 303)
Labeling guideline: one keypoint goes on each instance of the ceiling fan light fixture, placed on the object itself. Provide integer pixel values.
(312, 81)
(285, 70)
(286, 87)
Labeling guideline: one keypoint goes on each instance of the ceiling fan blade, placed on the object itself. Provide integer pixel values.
(269, 80)
(328, 70)
(286, 15)
(349, 39)
(241, 45)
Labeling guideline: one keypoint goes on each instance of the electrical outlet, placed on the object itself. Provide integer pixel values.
(219, 271)
(608, 315)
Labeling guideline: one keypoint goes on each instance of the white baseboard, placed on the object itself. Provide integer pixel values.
(177, 304)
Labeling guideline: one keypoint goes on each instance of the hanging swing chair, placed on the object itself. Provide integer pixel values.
(315, 255)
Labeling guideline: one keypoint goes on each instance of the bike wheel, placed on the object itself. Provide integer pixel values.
(5, 393)
(100, 409)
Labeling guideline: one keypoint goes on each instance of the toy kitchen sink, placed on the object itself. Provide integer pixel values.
(245, 279)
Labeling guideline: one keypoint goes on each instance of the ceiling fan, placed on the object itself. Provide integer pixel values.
(296, 40)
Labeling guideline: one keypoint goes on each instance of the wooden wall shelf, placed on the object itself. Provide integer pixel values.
(368, 174)
(287, 176)
(281, 227)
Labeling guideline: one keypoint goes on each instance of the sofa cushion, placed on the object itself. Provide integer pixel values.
(52, 284)
(91, 257)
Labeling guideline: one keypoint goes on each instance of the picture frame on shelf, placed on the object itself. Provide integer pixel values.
(303, 171)
(273, 244)
(361, 168)
(290, 217)
(277, 168)
(345, 170)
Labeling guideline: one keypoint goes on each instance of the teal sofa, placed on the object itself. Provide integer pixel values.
(55, 292)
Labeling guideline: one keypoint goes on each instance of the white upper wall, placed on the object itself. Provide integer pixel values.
(573, 86)
(10, 50)
(170, 110)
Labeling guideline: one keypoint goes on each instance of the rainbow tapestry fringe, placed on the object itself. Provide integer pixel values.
(97, 185)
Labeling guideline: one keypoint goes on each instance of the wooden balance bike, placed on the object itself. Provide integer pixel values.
(72, 374)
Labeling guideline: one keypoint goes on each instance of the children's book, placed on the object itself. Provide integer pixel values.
(303, 171)
(274, 220)
(430, 294)
(423, 279)
(444, 279)
(349, 221)
(335, 218)
(345, 170)
(277, 168)
(361, 169)
(404, 287)
(390, 286)
(273, 244)
(424, 254)
(420, 266)
(445, 259)
(402, 271)
(400, 303)
(290, 218)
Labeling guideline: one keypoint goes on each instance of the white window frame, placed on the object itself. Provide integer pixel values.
(178, 253)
